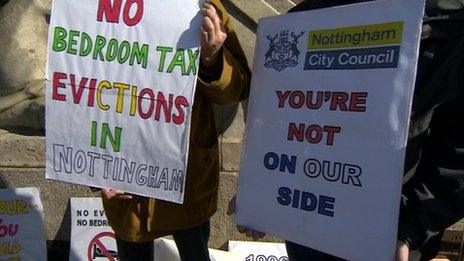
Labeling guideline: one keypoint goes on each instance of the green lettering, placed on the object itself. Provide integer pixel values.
(93, 134)
(125, 47)
(86, 45)
(178, 60)
(164, 50)
(100, 42)
(140, 54)
(193, 56)
(112, 50)
(72, 42)
(59, 44)
(115, 141)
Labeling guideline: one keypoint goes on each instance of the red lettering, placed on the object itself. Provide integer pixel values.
(180, 102)
(92, 87)
(111, 12)
(331, 130)
(309, 100)
(309, 134)
(57, 76)
(297, 99)
(358, 101)
(282, 97)
(342, 101)
(294, 132)
(167, 108)
(151, 99)
(312, 133)
(77, 94)
(138, 14)
(339, 99)
(8, 230)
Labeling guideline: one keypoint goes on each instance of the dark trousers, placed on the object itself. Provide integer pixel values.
(301, 253)
(192, 244)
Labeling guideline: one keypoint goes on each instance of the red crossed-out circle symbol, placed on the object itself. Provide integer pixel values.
(97, 248)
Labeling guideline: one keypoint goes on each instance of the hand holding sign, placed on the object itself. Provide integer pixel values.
(402, 252)
(213, 35)
(114, 193)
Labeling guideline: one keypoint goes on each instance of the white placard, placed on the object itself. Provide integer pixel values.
(327, 126)
(120, 82)
(258, 251)
(22, 233)
(92, 238)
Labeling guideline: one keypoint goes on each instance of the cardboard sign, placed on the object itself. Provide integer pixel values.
(91, 235)
(258, 251)
(22, 233)
(92, 238)
(120, 82)
(327, 126)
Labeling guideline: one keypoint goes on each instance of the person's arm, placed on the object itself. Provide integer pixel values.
(224, 76)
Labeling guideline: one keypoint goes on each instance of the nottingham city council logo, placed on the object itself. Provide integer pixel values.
(283, 52)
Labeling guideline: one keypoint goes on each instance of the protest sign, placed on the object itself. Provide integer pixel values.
(22, 233)
(258, 251)
(92, 238)
(327, 127)
(120, 82)
(91, 235)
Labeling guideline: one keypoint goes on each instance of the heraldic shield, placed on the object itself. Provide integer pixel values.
(282, 52)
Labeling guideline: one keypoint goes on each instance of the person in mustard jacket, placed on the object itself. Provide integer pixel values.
(224, 78)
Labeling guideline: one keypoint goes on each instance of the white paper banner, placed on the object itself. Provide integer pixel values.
(91, 236)
(327, 127)
(120, 82)
(258, 251)
(22, 233)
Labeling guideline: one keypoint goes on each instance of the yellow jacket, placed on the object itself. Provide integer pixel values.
(142, 219)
